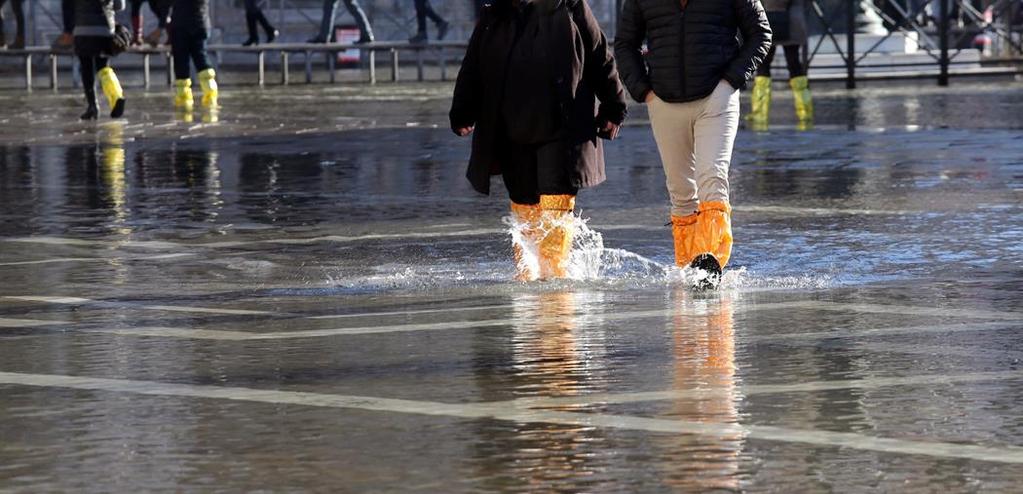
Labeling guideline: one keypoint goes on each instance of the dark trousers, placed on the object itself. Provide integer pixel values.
(156, 6)
(792, 60)
(93, 55)
(330, 9)
(19, 16)
(532, 170)
(424, 10)
(189, 47)
(254, 16)
(67, 15)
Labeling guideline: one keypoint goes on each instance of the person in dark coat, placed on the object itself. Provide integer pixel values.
(528, 87)
(94, 45)
(254, 16)
(788, 22)
(190, 23)
(690, 80)
(18, 7)
(137, 20)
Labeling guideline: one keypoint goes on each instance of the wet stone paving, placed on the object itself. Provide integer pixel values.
(301, 293)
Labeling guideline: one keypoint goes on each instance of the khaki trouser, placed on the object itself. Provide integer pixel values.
(695, 141)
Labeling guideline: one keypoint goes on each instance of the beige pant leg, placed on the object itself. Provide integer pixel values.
(715, 129)
(672, 124)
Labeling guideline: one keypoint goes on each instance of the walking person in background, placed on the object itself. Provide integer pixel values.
(189, 34)
(253, 16)
(94, 45)
(788, 23)
(326, 34)
(528, 87)
(424, 10)
(17, 7)
(66, 39)
(137, 21)
(690, 82)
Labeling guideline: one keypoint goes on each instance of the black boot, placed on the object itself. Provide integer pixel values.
(251, 42)
(118, 110)
(711, 269)
(420, 37)
(91, 113)
(442, 29)
(272, 34)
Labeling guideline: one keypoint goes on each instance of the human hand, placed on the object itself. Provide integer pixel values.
(463, 131)
(609, 130)
(650, 96)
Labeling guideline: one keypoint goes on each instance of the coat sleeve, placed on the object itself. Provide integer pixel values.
(756, 41)
(468, 95)
(629, 50)
(599, 70)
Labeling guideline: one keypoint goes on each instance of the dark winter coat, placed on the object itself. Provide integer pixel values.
(788, 21)
(96, 17)
(190, 16)
(582, 70)
(690, 50)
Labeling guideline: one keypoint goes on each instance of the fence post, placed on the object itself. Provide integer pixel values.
(850, 44)
(28, 72)
(285, 73)
(53, 72)
(943, 41)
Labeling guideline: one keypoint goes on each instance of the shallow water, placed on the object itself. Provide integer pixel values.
(323, 304)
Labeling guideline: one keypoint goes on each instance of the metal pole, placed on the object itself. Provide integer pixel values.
(308, 67)
(262, 68)
(443, 64)
(170, 70)
(943, 41)
(419, 65)
(53, 72)
(394, 64)
(285, 76)
(332, 65)
(28, 72)
(145, 70)
(850, 44)
(372, 66)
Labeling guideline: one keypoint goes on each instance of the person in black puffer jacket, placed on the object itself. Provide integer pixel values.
(94, 45)
(690, 80)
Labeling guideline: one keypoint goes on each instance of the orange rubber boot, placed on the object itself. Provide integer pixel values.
(708, 231)
(543, 227)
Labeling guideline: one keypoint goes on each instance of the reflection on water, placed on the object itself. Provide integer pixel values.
(703, 371)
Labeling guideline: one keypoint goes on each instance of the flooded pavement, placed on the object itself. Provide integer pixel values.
(305, 295)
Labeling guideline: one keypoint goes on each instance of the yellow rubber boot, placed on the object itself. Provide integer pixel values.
(112, 90)
(801, 95)
(183, 98)
(708, 231)
(556, 244)
(761, 102)
(210, 90)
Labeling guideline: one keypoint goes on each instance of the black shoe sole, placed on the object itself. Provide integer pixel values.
(709, 265)
(90, 114)
(118, 109)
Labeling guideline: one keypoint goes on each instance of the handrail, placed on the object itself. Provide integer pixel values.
(284, 49)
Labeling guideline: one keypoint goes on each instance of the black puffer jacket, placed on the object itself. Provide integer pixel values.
(690, 50)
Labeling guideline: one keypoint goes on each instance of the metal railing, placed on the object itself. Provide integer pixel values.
(940, 41)
(440, 50)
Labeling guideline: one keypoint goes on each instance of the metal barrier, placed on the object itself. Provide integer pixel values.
(283, 49)
(943, 51)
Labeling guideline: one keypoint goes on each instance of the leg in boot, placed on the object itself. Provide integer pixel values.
(183, 98)
(210, 90)
(556, 242)
(250, 23)
(88, 73)
(714, 231)
(112, 90)
(761, 103)
(683, 231)
(421, 7)
(365, 30)
(801, 95)
(19, 19)
(527, 219)
(715, 135)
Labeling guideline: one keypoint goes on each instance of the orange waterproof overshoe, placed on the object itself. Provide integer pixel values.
(708, 231)
(544, 227)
